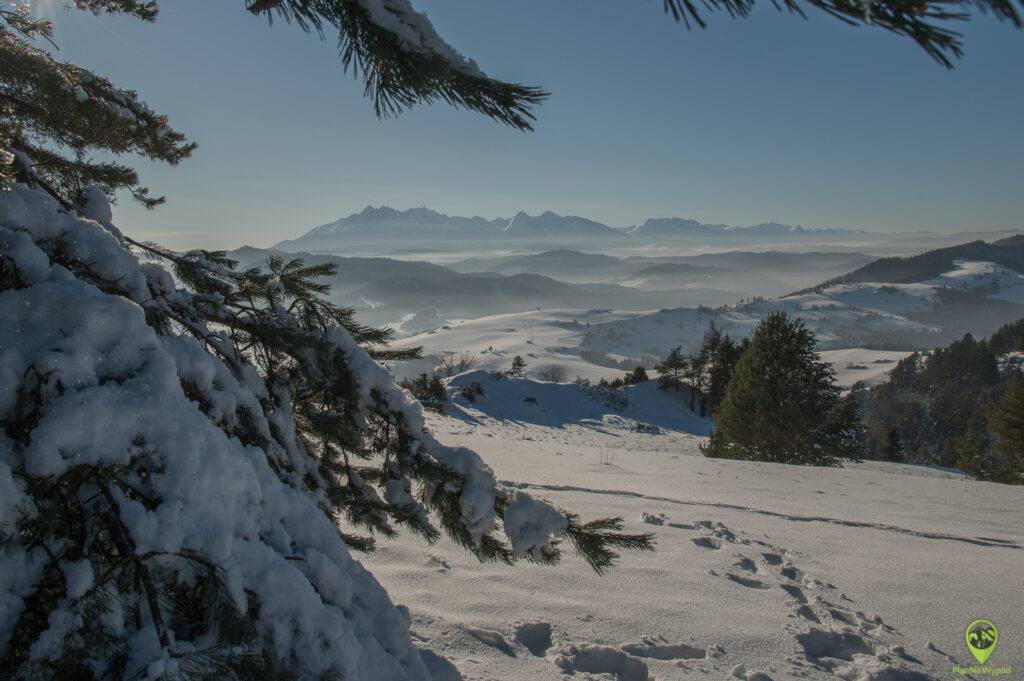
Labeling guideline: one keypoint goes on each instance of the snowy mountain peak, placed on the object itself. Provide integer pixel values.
(552, 223)
(382, 226)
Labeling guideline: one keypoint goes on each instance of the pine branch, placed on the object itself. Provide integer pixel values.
(923, 21)
(402, 60)
(594, 540)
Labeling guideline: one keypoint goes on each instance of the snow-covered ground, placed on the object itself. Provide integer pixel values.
(870, 367)
(540, 337)
(546, 337)
(869, 572)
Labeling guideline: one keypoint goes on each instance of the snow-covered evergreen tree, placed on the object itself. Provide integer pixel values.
(189, 452)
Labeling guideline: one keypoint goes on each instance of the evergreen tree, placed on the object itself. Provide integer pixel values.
(186, 460)
(518, 367)
(932, 401)
(637, 375)
(783, 405)
(1006, 423)
(892, 450)
(672, 369)
(724, 357)
(971, 452)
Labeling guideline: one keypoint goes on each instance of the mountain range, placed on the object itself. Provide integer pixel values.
(373, 227)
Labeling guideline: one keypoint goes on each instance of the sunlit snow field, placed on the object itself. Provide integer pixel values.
(870, 571)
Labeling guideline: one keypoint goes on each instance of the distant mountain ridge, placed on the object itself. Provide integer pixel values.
(1008, 253)
(423, 225)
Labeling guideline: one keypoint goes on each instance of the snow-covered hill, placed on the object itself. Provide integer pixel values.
(749, 273)
(595, 343)
(566, 338)
(972, 297)
(870, 572)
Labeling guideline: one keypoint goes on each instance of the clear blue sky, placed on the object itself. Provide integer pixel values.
(772, 118)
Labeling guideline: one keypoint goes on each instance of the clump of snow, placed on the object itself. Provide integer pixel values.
(96, 205)
(416, 32)
(532, 526)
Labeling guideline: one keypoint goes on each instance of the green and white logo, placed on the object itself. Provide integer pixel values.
(982, 638)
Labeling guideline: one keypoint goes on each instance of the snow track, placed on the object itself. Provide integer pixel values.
(979, 541)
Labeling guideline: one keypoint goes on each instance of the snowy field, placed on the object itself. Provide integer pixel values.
(761, 571)
(870, 367)
(546, 337)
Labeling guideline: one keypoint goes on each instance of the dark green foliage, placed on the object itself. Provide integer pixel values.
(720, 355)
(637, 375)
(930, 402)
(398, 75)
(672, 369)
(952, 407)
(61, 115)
(892, 446)
(518, 367)
(1008, 338)
(594, 541)
(430, 390)
(926, 23)
(971, 451)
(783, 405)
(931, 264)
(472, 391)
(1006, 423)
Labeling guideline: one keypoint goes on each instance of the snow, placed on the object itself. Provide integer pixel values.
(540, 337)
(562, 337)
(870, 367)
(113, 396)
(969, 275)
(416, 32)
(533, 525)
(761, 570)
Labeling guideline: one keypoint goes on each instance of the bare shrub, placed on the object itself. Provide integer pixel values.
(453, 364)
(553, 373)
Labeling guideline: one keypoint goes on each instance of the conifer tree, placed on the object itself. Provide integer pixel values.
(783, 405)
(1006, 423)
(892, 448)
(186, 461)
(518, 367)
(672, 369)
(971, 452)
(723, 356)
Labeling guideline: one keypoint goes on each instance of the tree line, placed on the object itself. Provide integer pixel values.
(772, 398)
(961, 405)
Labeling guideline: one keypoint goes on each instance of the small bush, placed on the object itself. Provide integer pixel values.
(472, 391)
(429, 390)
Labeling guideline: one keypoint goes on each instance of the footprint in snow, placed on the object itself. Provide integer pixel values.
(595, 659)
(748, 582)
(534, 636)
(492, 639)
(707, 543)
(660, 649)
